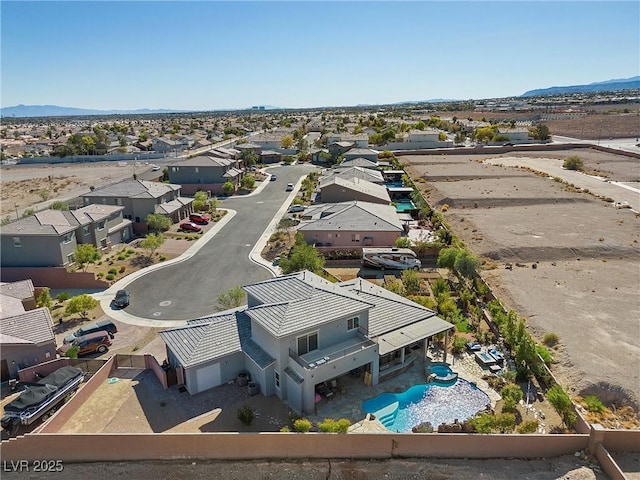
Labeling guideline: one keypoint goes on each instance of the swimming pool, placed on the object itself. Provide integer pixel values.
(404, 205)
(434, 403)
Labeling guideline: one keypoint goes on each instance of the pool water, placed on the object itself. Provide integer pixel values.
(434, 403)
(404, 205)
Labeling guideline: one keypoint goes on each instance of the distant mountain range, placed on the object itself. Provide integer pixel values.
(57, 111)
(606, 86)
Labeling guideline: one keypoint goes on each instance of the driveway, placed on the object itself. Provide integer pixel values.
(189, 289)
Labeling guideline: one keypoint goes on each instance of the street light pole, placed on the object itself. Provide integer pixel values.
(16, 207)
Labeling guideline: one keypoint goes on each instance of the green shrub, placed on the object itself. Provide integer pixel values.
(246, 414)
(72, 352)
(425, 427)
(550, 339)
(100, 274)
(120, 257)
(529, 426)
(511, 395)
(302, 425)
(110, 276)
(131, 251)
(113, 271)
(562, 404)
(459, 344)
(285, 429)
(334, 426)
(62, 296)
(544, 354)
(162, 258)
(594, 404)
(500, 423)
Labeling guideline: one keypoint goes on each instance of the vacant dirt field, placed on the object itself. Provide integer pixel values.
(36, 186)
(586, 253)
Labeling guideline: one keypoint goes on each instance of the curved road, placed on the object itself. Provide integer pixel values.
(189, 289)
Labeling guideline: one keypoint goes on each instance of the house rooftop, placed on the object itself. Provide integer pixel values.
(134, 189)
(358, 185)
(351, 216)
(21, 290)
(47, 222)
(203, 161)
(32, 327)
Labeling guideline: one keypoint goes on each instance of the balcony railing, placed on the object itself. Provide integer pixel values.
(324, 356)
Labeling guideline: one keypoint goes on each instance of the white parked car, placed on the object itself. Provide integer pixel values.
(296, 208)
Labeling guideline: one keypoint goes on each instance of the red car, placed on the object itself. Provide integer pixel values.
(199, 218)
(190, 226)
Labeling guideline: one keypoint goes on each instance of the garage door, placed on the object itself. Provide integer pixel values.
(208, 377)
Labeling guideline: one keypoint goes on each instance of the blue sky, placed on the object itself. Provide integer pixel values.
(209, 55)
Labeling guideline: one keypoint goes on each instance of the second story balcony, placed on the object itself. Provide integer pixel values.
(338, 351)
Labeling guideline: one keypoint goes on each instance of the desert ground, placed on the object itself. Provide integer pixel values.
(37, 186)
(575, 257)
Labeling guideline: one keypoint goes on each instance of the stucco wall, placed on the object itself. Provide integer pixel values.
(53, 277)
(21, 356)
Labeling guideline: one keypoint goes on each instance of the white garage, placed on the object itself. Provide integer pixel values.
(206, 378)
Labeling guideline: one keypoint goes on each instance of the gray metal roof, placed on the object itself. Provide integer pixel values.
(410, 334)
(172, 206)
(391, 311)
(93, 213)
(358, 162)
(352, 216)
(204, 161)
(361, 151)
(22, 289)
(134, 189)
(297, 302)
(32, 327)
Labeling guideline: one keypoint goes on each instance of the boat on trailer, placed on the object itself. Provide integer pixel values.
(40, 399)
(391, 258)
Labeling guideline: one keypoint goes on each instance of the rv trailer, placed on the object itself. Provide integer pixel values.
(391, 258)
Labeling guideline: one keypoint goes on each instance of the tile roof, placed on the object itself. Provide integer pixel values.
(47, 222)
(168, 208)
(350, 172)
(391, 311)
(203, 161)
(358, 162)
(10, 306)
(134, 189)
(32, 327)
(93, 213)
(22, 289)
(352, 216)
(361, 151)
(300, 301)
(356, 185)
(208, 338)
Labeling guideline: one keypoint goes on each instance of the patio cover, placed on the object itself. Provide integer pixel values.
(411, 333)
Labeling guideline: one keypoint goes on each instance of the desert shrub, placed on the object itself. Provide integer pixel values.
(100, 274)
(285, 429)
(122, 269)
(500, 423)
(110, 276)
(529, 426)
(120, 257)
(550, 339)
(334, 426)
(509, 375)
(573, 163)
(72, 352)
(302, 425)
(113, 271)
(162, 258)
(594, 404)
(444, 207)
(246, 414)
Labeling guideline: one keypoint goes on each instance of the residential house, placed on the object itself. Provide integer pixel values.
(336, 189)
(348, 173)
(338, 148)
(26, 339)
(224, 152)
(359, 162)
(365, 153)
(17, 297)
(351, 225)
(205, 173)
(140, 198)
(51, 237)
(270, 156)
(357, 140)
(166, 145)
(298, 332)
(514, 135)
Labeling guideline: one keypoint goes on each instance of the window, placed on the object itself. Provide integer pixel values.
(103, 243)
(307, 343)
(196, 169)
(67, 238)
(71, 258)
(353, 323)
(101, 225)
(277, 379)
(355, 237)
(16, 242)
(86, 230)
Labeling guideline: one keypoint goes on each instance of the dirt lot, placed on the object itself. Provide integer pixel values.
(587, 276)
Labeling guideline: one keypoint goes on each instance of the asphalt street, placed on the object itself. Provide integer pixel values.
(190, 289)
